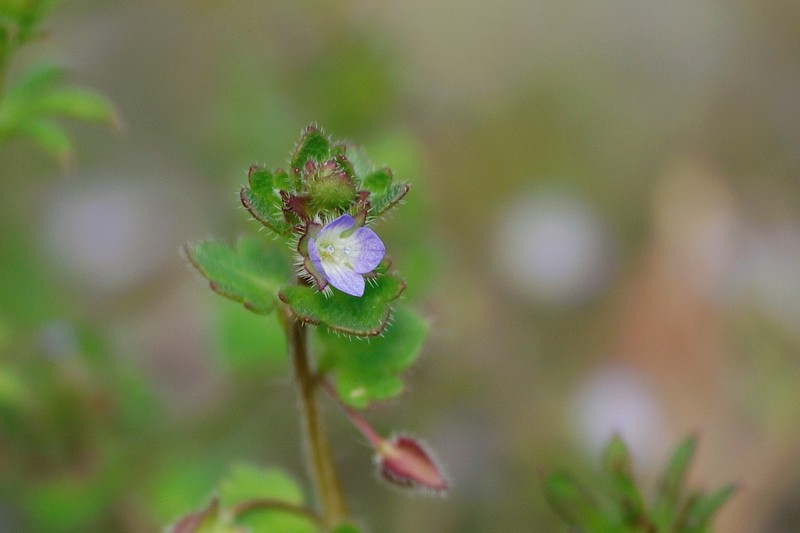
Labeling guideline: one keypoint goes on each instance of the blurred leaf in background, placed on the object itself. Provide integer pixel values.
(29, 105)
(617, 506)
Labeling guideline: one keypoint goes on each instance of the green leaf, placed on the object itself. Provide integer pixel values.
(261, 200)
(281, 180)
(703, 507)
(25, 15)
(665, 507)
(377, 181)
(384, 192)
(14, 391)
(75, 103)
(73, 502)
(617, 462)
(313, 145)
(30, 103)
(36, 81)
(346, 528)
(576, 505)
(50, 137)
(383, 202)
(247, 483)
(370, 370)
(252, 273)
(364, 316)
(184, 481)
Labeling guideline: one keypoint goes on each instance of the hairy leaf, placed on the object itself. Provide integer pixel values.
(261, 200)
(251, 273)
(383, 202)
(360, 316)
(378, 181)
(313, 145)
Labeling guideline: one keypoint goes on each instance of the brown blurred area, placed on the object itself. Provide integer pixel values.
(604, 230)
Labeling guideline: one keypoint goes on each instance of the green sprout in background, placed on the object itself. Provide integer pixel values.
(30, 104)
(618, 504)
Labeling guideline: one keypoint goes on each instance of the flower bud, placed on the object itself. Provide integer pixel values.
(404, 462)
(328, 185)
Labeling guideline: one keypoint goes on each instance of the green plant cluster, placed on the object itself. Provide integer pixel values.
(618, 506)
(30, 105)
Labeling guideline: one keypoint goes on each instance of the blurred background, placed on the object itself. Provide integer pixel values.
(603, 227)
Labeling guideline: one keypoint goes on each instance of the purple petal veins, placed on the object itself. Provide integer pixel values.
(367, 250)
(345, 279)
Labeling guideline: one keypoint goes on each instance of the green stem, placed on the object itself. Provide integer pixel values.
(320, 458)
(359, 422)
(279, 505)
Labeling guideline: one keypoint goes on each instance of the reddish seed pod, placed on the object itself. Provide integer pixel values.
(406, 463)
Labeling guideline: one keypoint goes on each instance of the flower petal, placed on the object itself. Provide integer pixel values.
(338, 225)
(343, 278)
(366, 250)
(313, 254)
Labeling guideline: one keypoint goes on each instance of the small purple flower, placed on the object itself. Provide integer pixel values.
(343, 253)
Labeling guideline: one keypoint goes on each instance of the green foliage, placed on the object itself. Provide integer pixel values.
(313, 146)
(254, 500)
(669, 490)
(367, 371)
(261, 200)
(325, 179)
(386, 196)
(364, 316)
(377, 181)
(184, 481)
(247, 484)
(619, 466)
(251, 273)
(701, 508)
(18, 22)
(29, 107)
(347, 528)
(620, 508)
(576, 504)
(72, 416)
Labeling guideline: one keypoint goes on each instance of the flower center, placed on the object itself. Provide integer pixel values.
(335, 253)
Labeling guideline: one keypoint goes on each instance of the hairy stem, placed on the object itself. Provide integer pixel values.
(320, 458)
